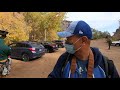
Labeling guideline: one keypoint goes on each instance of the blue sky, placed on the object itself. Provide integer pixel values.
(102, 21)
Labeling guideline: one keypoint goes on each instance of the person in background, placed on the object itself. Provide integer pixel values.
(109, 42)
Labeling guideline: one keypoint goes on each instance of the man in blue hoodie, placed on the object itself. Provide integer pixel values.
(80, 60)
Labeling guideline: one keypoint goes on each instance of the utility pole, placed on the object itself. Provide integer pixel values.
(45, 35)
(45, 29)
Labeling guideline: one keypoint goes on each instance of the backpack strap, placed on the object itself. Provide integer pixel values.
(106, 65)
(110, 69)
(65, 61)
(73, 65)
(90, 65)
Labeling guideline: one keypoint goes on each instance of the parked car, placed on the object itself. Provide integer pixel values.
(60, 43)
(116, 43)
(26, 50)
(50, 46)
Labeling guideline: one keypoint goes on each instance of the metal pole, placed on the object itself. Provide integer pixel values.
(45, 34)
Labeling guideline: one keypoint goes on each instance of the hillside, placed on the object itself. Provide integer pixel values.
(117, 34)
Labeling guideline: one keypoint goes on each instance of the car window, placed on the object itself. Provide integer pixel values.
(34, 44)
(26, 45)
(20, 45)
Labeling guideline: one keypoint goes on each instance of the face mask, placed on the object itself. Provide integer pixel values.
(70, 48)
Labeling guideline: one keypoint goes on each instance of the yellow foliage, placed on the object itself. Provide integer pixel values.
(24, 26)
(15, 24)
(44, 21)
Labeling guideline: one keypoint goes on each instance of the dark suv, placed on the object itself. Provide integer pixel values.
(26, 50)
(60, 43)
(49, 46)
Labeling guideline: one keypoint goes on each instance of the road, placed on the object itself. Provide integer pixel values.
(40, 68)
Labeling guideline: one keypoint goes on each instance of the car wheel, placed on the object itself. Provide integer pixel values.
(25, 57)
(58, 46)
(51, 50)
(62, 46)
(48, 50)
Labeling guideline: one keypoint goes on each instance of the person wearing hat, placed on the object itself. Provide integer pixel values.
(4, 49)
(80, 60)
(5, 52)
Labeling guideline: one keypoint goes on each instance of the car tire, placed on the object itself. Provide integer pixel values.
(25, 57)
(63, 47)
(50, 51)
(47, 50)
(58, 46)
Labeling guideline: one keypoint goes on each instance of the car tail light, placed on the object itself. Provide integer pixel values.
(32, 50)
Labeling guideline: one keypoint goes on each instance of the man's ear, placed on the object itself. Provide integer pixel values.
(84, 39)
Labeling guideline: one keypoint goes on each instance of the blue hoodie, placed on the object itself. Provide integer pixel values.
(62, 67)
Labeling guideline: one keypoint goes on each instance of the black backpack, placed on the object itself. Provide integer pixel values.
(110, 68)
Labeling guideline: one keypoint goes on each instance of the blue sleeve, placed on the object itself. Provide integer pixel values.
(56, 73)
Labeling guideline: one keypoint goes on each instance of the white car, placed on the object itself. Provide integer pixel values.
(116, 43)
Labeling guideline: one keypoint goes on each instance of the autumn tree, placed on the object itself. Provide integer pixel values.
(44, 23)
(15, 24)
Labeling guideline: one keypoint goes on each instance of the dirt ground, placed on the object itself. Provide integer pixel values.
(113, 53)
(40, 68)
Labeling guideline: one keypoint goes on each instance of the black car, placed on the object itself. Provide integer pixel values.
(60, 43)
(26, 50)
(49, 46)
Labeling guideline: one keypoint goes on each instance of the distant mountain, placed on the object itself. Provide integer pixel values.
(117, 34)
(65, 24)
